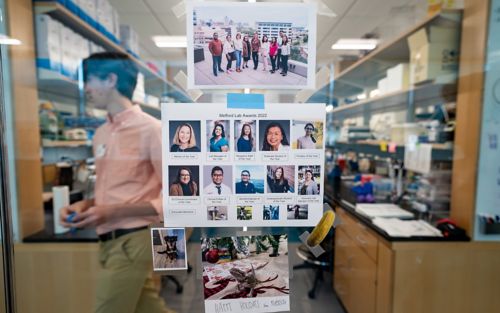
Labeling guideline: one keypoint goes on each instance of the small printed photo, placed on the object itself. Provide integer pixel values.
(218, 135)
(184, 180)
(217, 180)
(245, 267)
(297, 211)
(249, 179)
(274, 135)
(169, 249)
(309, 178)
(244, 213)
(260, 46)
(217, 213)
(244, 135)
(271, 212)
(307, 134)
(280, 179)
(184, 136)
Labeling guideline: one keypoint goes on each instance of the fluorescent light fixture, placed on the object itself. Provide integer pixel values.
(355, 44)
(252, 1)
(170, 41)
(6, 40)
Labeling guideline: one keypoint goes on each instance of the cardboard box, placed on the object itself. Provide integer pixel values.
(48, 42)
(382, 86)
(398, 78)
(434, 55)
(129, 38)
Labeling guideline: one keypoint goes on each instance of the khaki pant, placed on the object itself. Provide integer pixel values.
(125, 283)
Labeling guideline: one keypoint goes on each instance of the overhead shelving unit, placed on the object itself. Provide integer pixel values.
(154, 83)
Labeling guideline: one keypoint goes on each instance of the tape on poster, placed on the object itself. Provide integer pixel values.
(245, 101)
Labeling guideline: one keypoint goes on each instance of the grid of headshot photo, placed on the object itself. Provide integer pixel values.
(241, 168)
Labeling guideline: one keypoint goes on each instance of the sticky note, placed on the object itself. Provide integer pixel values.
(392, 147)
(383, 146)
(245, 101)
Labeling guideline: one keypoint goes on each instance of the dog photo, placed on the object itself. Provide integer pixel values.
(169, 249)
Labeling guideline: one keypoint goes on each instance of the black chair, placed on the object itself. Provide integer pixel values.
(323, 263)
(178, 286)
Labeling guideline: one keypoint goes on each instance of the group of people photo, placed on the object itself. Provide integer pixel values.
(218, 180)
(273, 52)
(274, 136)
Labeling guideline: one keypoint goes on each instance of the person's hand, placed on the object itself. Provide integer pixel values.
(90, 218)
(76, 207)
(224, 148)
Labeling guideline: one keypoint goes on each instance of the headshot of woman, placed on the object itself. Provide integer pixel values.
(246, 141)
(218, 142)
(184, 139)
(184, 185)
(309, 186)
(307, 141)
(275, 138)
(278, 183)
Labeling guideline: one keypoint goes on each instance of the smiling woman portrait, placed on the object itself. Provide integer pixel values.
(275, 137)
(184, 139)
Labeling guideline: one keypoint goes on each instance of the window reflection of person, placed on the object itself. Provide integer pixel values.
(307, 141)
(218, 142)
(275, 138)
(246, 141)
(278, 183)
(309, 186)
(296, 213)
(184, 185)
(184, 139)
(245, 186)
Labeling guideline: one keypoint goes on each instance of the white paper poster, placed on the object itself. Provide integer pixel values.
(242, 167)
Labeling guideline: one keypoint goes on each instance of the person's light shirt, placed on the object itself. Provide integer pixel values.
(214, 189)
(127, 150)
(238, 44)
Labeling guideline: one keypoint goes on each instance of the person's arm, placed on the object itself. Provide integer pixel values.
(77, 207)
(210, 47)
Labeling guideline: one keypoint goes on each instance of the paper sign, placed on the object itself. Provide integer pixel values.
(418, 158)
(246, 274)
(228, 167)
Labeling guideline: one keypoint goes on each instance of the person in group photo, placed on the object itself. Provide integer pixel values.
(215, 47)
(246, 142)
(184, 139)
(217, 187)
(275, 138)
(247, 51)
(229, 53)
(280, 43)
(273, 54)
(218, 142)
(238, 51)
(264, 51)
(245, 186)
(184, 184)
(255, 43)
(307, 141)
(309, 186)
(277, 183)
(285, 53)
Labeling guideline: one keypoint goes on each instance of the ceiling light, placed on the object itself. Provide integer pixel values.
(355, 44)
(252, 1)
(6, 40)
(170, 41)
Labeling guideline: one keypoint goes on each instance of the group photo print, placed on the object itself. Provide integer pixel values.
(257, 45)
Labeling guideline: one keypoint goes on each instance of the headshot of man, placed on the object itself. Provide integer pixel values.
(245, 186)
(217, 187)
